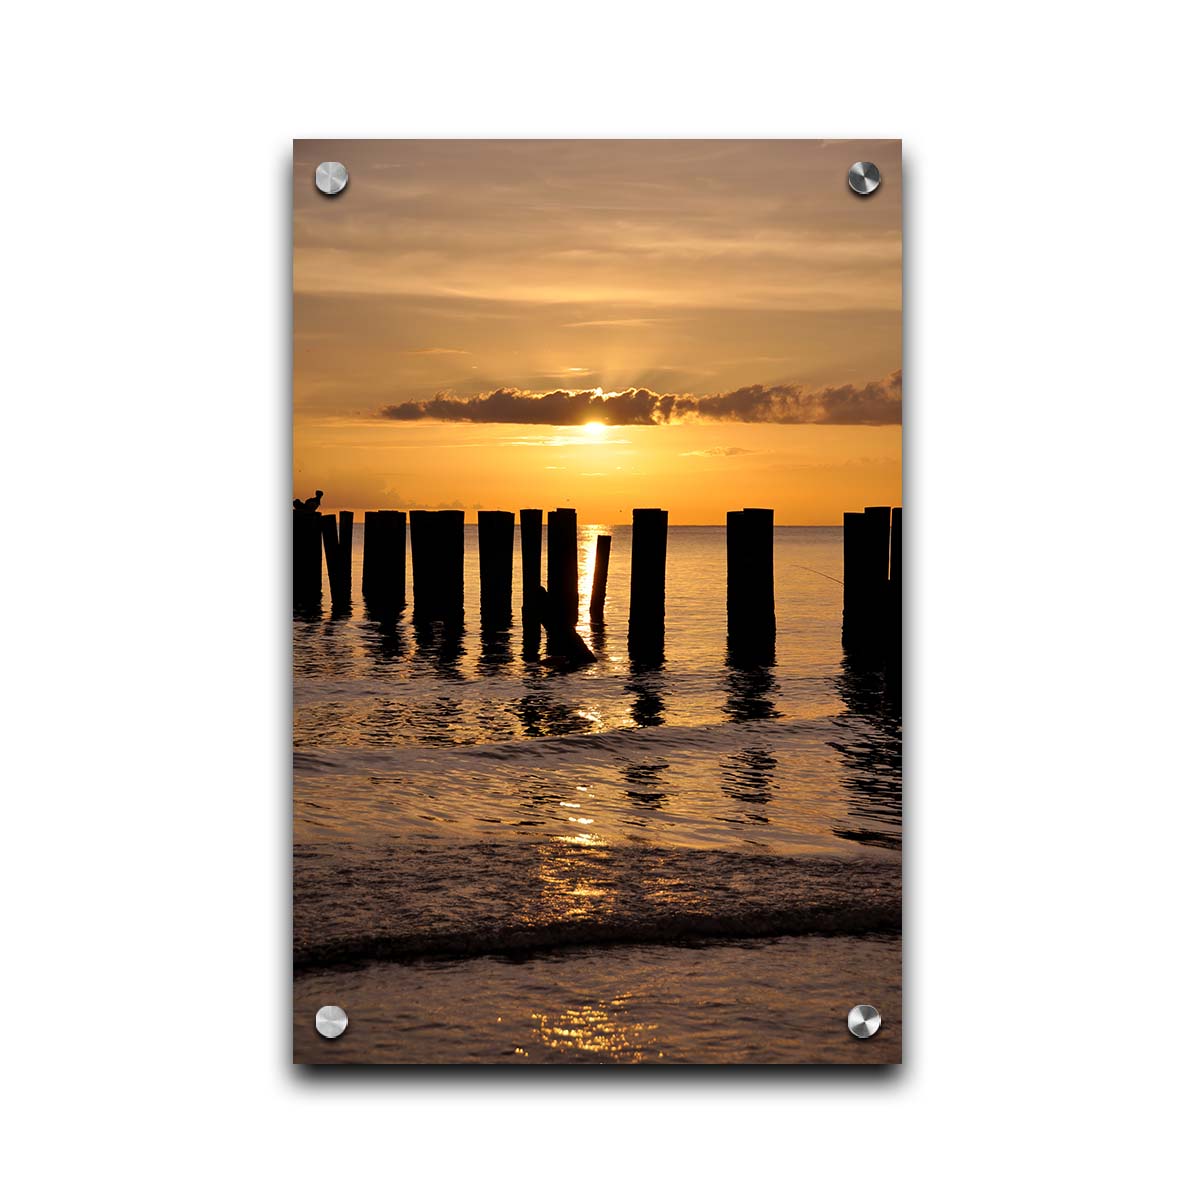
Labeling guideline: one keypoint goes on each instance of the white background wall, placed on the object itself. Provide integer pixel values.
(1051, 540)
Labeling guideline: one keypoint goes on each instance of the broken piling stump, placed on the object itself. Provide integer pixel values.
(564, 646)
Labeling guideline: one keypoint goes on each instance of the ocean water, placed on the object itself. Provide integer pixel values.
(629, 844)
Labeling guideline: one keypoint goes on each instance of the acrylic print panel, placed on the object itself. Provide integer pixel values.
(596, 630)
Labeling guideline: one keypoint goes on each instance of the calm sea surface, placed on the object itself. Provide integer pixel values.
(700, 860)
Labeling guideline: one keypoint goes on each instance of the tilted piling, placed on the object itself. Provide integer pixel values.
(600, 578)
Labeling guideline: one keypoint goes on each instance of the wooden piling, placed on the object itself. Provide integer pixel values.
(424, 586)
(339, 580)
(750, 580)
(600, 578)
(865, 554)
(878, 538)
(495, 530)
(562, 564)
(895, 574)
(371, 552)
(531, 578)
(450, 552)
(345, 551)
(306, 558)
(648, 582)
(896, 588)
(384, 559)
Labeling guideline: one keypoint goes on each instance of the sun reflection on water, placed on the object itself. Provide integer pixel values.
(575, 877)
(597, 1029)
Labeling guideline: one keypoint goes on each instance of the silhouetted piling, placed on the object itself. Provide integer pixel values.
(896, 584)
(337, 556)
(450, 542)
(865, 554)
(531, 580)
(306, 558)
(750, 582)
(346, 546)
(648, 583)
(424, 566)
(370, 552)
(600, 578)
(895, 575)
(562, 563)
(495, 531)
(384, 557)
(878, 538)
(437, 554)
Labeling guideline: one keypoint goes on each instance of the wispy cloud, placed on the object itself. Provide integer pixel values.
(716, 452)
(620, 322)
(875, 403)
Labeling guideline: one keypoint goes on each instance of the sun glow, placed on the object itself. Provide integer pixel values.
(595, 430)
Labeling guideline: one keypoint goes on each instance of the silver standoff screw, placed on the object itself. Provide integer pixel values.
(332, 1021)
(863, 1021)
(331, 178)
(864, 178)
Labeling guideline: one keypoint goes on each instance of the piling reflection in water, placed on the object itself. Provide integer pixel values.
(644, 783)
(748, 775)
(440, 647)
(646, 688)
(384, 640)
(695, 750)
(542, 715)
(749, 690)
(495, 651)
(871, 749)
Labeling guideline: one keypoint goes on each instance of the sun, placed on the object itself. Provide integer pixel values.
(595, 429)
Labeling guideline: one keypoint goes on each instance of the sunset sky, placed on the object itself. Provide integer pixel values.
(689, 325)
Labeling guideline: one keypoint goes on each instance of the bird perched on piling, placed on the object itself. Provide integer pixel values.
(313, 502)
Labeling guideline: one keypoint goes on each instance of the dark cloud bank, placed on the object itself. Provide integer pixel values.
(875, 403)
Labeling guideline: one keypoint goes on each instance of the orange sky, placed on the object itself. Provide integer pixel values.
(738, 285)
